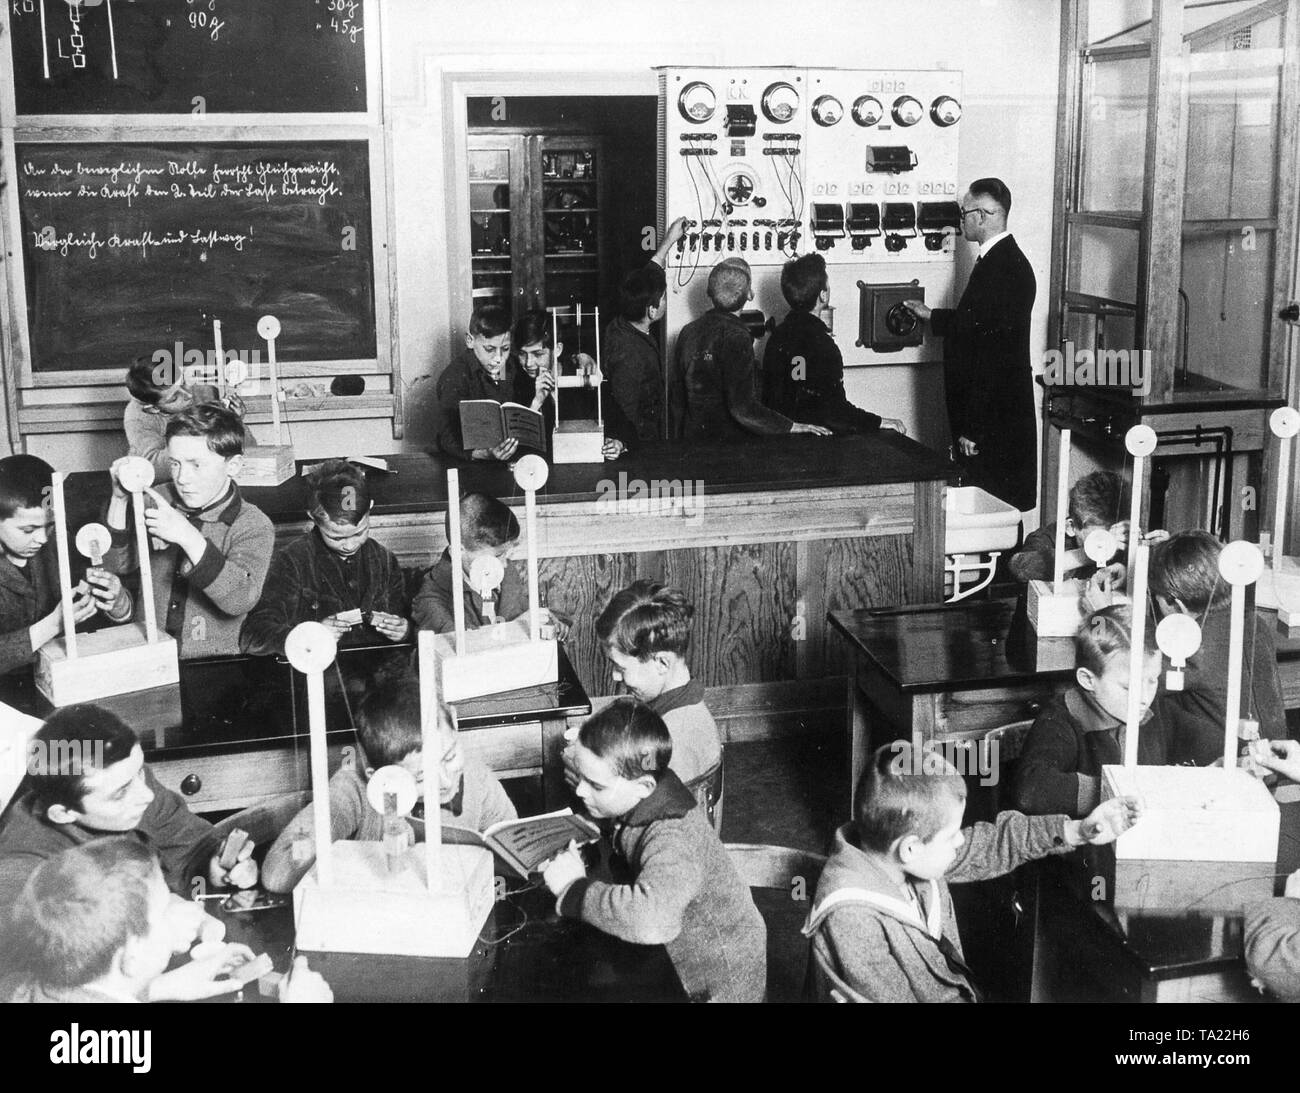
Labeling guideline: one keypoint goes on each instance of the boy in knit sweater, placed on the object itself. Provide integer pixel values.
(645, 632)
(1081, 731)
(211, 548)
(389, 730)
(673, 883)
(882, 925)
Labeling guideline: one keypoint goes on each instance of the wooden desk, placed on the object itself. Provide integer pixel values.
(233, 733)
(525, 954)
(763, 537)
(951, 672)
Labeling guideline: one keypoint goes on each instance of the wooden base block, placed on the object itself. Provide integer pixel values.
(367, 909)
(578, 442)
(1196, 814)
(266, 465)
(114, 661)
(1278, 588)
(1053, 614)
(496, 658)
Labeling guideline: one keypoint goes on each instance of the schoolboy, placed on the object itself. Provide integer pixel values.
(645, 632)
(96, 924)
(882, 924)
(1185, 578)
(1080, 731)
(673, 883)
(487, 529)
(1272, 927)
(803, 369)
(30, 597)
(711, 380)
(156, 395)
(335, 574)
(389, 730)
(92, 780)
(1094, 505)
(216, 547)
(484, 372)
(630, 353)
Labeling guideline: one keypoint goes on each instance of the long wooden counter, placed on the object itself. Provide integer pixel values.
(765, 539)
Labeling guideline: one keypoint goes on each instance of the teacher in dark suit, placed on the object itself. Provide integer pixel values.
(988, 378)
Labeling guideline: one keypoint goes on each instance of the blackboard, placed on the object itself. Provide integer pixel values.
(129, 248)
(157, 56)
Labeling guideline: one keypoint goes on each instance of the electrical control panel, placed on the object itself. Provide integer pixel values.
(860, 166)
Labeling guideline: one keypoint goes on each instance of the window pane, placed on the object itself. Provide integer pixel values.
(1119, 22)
(1104, 262)
(1114, 141)
(1232, 119)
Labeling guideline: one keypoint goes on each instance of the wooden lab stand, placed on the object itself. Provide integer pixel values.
(360, 897)
(1279, 584)
(503, 656)
(116, 659)
(265, 464)
(577, 441)
(1207, 838)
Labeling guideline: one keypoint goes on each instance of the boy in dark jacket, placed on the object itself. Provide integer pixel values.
(1272, 928)
(1079, 732)
(1185, 578)
(803, 369)
(484, 372)
(675, 884)
(1095, 502)
(882, 925)
(336, 574)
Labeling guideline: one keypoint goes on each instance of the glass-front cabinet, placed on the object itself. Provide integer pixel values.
(1174, 252)
(536, 233)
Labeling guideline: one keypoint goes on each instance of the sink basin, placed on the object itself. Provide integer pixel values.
(978, 522)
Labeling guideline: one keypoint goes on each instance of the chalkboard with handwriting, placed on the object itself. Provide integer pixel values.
(188, 56)
(129, 248)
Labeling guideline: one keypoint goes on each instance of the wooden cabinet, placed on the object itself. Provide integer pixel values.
(537, 223)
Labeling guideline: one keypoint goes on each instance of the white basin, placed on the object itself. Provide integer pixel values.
(978, 522)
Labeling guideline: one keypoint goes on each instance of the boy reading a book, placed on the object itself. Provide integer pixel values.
(389, 731)
(1081, 731)
(882, 924)
(1185, 578)
(335, 574)
(673, 883)
(645, 632)
(94, 781)
(215, 547)
(484, 372)
(30, 596)
(97, 924)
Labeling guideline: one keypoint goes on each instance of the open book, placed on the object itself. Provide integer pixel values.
(485, 424)
(528, 843)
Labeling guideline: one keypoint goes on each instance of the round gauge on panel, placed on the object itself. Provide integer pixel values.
(867, 110)
(779, 102)
(827, 110)
(945, 110)
(697, 102)
(907, 110)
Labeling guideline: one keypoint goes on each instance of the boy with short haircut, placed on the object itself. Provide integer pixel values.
(158, 391)
(389, 730)
(30, 596)
(645, 632)
(803, 369)
(1095, 501)
(93, 781)
(1185, 579)
(674, 884)
(1080, 731)
(882, 925)
(711, 381)
(335, 574)
(216, 547)
(484, 372)
(97, 924)
(487, 528)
